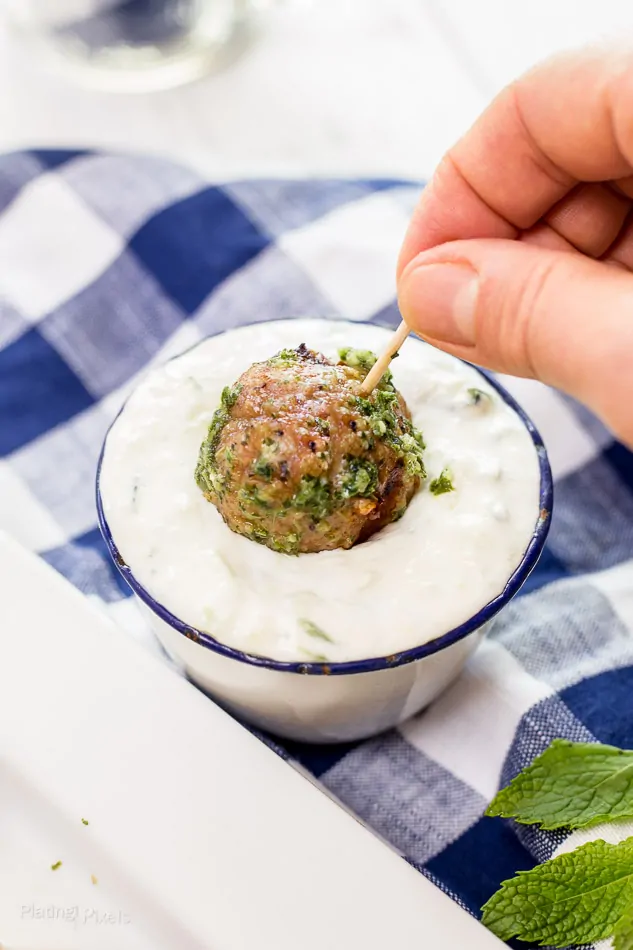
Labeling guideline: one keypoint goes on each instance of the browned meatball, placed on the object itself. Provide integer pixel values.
(297, 459)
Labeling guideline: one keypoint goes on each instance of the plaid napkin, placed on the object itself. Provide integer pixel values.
(109, 263)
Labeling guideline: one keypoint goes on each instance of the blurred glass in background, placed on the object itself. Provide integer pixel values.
(134, 45)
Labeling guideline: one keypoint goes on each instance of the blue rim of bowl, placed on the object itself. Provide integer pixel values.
(487, 612)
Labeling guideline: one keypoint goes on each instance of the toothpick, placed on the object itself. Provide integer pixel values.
(378, 369)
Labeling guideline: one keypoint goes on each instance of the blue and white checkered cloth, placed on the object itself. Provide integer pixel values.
(109, 263)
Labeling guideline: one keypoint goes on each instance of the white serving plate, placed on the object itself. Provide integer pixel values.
(199, 836)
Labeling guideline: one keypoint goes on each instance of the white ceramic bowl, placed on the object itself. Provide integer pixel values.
(333, 702)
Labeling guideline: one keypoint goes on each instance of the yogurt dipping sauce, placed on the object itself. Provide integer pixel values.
(413, 581)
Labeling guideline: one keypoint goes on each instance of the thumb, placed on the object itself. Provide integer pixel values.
(556, 316)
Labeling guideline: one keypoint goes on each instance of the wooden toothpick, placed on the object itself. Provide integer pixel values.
(376, 373)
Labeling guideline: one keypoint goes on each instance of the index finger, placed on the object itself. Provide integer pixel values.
(568, 120)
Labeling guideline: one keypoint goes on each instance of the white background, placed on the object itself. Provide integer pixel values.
(330, 86)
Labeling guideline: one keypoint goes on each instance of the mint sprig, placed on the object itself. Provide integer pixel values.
(623, 933)
(571, 785)
(579, 897)
(586, 895)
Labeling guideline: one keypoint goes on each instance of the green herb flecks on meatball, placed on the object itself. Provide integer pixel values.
(297, 459)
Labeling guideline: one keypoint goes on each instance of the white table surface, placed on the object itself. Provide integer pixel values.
(227, 848)
(358, 87)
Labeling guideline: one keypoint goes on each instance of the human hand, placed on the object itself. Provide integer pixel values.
(519, 255)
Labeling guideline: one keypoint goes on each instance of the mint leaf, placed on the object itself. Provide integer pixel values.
(575, 898)
(571, 785)
(314, 631)
(623, 933)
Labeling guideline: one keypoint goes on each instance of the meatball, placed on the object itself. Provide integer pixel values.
(297, 459)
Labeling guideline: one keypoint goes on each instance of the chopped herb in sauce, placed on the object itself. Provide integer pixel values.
(413, 446)
(315, 631)
(442, 484)
(364, 360)
(206, 470)
(250, 494)
(56, 866)
(263, 469)
(284, 358)
(314, 495)
(360, 478)
(479, 397)
(386, 425)
(85, 821)
(357, 359)
(230, 396)
(257, 533)
(288, 544)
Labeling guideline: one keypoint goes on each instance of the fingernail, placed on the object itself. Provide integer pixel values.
(439, 301)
